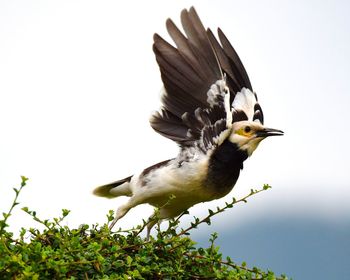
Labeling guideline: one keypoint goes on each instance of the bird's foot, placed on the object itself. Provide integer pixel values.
(113, 223)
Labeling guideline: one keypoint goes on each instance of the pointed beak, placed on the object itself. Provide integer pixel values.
(269, 132)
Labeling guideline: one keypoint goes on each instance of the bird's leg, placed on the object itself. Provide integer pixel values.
(182, 214)
(122, 210)
(152, 220)
(150, 224)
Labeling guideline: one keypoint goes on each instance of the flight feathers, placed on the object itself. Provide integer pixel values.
(190, 73)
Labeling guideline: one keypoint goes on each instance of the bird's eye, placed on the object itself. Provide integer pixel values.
(247, 129)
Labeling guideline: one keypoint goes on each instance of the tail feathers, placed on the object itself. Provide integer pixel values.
(114, 189)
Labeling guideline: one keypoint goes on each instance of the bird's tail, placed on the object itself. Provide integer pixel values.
(114, 189)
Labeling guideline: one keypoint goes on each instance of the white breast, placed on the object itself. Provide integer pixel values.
(185, 182)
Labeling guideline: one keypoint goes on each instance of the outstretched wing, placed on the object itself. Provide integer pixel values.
(201, 78)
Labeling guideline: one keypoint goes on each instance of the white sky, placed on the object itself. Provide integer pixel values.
(78, 81)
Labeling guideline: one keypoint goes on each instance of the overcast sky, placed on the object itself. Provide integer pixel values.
(78, 82)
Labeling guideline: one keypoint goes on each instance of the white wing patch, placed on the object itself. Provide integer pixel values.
(219, 93)
(215, 92)
(228, 109)
(245, 100)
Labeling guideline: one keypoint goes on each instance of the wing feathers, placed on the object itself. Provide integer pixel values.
(175, 62)
(236, 63)
(194, 111)
(223, 59)
(189, 53)
(197, 35)
(169, 126)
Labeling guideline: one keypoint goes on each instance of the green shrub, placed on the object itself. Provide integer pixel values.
(94, 252)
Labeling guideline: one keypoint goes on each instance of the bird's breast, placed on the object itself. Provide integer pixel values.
(185, 182)
(224, 168)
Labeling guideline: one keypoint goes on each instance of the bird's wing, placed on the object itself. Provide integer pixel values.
(201, 78)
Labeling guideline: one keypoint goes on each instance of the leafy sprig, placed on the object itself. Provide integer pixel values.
(3, 222)
(94, 252)
(218, 210)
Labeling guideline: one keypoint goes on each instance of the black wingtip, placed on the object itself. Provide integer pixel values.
(222, 36)
(169, 22)
(183, 13)
(170, 25)
(156, 37)
(192, 10)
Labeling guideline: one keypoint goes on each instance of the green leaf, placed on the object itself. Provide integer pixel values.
(93, 252)
(24, 181)
(6, 215)
(128, 260)
(65, 212)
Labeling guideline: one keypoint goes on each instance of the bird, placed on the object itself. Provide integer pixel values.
(209, 109)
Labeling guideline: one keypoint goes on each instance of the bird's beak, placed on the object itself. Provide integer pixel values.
(265, 132)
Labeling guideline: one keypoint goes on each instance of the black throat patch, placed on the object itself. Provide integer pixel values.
(224, 167)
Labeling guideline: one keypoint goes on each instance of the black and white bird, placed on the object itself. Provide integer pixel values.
(210, 110)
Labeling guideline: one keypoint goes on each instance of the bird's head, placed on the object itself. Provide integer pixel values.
(247, 127)
(248, 134)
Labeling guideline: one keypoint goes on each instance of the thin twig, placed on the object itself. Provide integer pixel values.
(219, 210)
